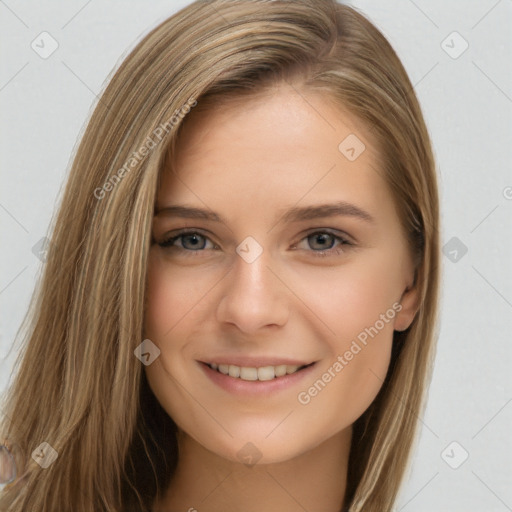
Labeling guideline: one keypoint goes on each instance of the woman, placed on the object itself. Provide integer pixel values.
(191, 346)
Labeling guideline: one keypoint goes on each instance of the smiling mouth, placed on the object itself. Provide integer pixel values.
(262, 373)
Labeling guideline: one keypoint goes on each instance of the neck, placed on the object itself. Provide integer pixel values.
(207, 482)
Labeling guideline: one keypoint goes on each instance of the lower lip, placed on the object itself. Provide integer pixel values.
(256, 387)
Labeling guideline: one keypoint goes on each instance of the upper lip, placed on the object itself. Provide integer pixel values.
(255, 362)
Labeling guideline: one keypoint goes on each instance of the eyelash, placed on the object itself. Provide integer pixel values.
(321, 254)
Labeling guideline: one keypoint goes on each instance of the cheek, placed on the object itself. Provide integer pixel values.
(350, 377)
(162, 305)
(170, 305)
(350, 298)
(174, 294)
(169, 322)
(358, 305)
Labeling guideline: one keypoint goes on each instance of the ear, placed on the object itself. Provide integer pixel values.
(410, 305)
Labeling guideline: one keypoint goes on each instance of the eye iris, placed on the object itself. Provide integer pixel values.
(195, 237)
(321, 236)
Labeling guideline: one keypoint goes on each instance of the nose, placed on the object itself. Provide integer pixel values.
(254, 296)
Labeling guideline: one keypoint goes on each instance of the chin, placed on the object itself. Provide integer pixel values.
(252, 447)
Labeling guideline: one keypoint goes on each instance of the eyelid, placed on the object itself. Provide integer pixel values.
(174, 235)
(310, 231)
(332, 231)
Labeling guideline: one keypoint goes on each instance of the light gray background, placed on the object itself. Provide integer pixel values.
(467, 102)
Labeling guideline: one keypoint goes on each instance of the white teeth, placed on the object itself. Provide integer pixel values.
(280, 370)
(266, 373)
(262, 373)
(248, 373)
(234, 371)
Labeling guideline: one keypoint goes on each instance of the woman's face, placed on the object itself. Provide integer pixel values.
(281, 281)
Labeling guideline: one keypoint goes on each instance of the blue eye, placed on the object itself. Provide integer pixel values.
(193, 243)
(190, 238)
(332, 249)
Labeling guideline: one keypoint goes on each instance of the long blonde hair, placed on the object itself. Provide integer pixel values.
(78, 385)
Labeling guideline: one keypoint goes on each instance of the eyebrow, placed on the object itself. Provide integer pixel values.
(295, 214)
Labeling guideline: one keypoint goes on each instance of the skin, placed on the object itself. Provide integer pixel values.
(248, 162)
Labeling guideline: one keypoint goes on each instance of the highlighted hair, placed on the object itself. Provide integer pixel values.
(78, 385)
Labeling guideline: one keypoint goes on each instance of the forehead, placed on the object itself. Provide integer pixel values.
(283, 147)
(281, 119)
